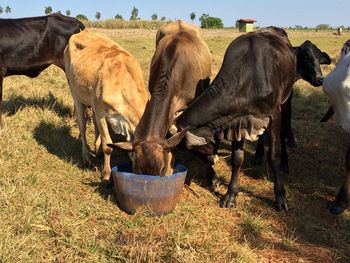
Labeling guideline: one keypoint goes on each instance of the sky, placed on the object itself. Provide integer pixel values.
(280, 13)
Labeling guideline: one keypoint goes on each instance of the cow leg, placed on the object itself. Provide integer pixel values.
(287, 122)
(105, 139)
(237, 160)
(287, 135)
(80, 113)
(1, 80)
(280, 196)
(285, 126)
(98, 149)
(328, 114)
(342, 200)
(259, 151)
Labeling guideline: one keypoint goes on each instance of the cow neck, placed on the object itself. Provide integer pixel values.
(298, 75)
(155, 121)
(204, 109)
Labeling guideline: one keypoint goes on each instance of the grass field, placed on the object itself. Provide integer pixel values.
(54, 210)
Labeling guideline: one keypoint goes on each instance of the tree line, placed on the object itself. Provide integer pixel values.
(7, 10)
(206, 21)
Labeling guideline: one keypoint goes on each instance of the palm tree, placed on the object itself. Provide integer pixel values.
(154, 17)
(8, 10)
(48, 10)
(98, 15)
(1, 10)
(134, 14)
(192, 16)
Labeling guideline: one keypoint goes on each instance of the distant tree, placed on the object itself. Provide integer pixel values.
(154, 17)
(82, 17)
(323, 27)
(203, 20)
(118, 16)
(59, 12)
(7, 10)
(214, 22)
(210, 22)
(98, 15)
(162, 18)
(192, 16)
(1, 10)
(134, 14)
(48, 10)
(68, 12)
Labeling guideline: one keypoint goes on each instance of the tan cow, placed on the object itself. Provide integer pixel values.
(180, 70)
(103, 75)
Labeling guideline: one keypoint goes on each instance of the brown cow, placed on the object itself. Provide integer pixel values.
(103, 75)
(180, 68)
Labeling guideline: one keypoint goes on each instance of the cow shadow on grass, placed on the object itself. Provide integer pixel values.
(106, 190)
(57, 139)
(316, 171)
(15, 103)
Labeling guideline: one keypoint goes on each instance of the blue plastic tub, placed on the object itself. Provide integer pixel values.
(158, 193)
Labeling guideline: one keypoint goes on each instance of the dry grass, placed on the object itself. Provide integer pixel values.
(53, 210)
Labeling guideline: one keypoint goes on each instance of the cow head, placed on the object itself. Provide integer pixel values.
(201, 141)
(309, 58)
(153, 157)
(345, 51)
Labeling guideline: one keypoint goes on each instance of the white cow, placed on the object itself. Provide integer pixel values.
(337, 87)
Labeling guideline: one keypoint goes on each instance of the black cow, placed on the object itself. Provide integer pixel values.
(309, 58)
(30, 45)
(256, 78)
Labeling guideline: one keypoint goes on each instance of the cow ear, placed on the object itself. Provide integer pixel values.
(194, 140)
(127, 146)
(325, 59)
(176, 139)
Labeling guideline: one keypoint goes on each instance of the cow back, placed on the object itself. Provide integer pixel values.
(29, 45)
(256, 76)
(180, 63)
(102, 73)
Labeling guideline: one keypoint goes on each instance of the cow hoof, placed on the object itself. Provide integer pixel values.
(291, 142)
(281, 203)
(89, 164)
(256, 161)
(284, 168)
(336, 208)
(214, 186)
(228, 201)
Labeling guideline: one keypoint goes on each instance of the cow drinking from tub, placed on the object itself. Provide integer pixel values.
(256, 78)
(180, 68)
(336, 86)
(29, 45)
(103, 75)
